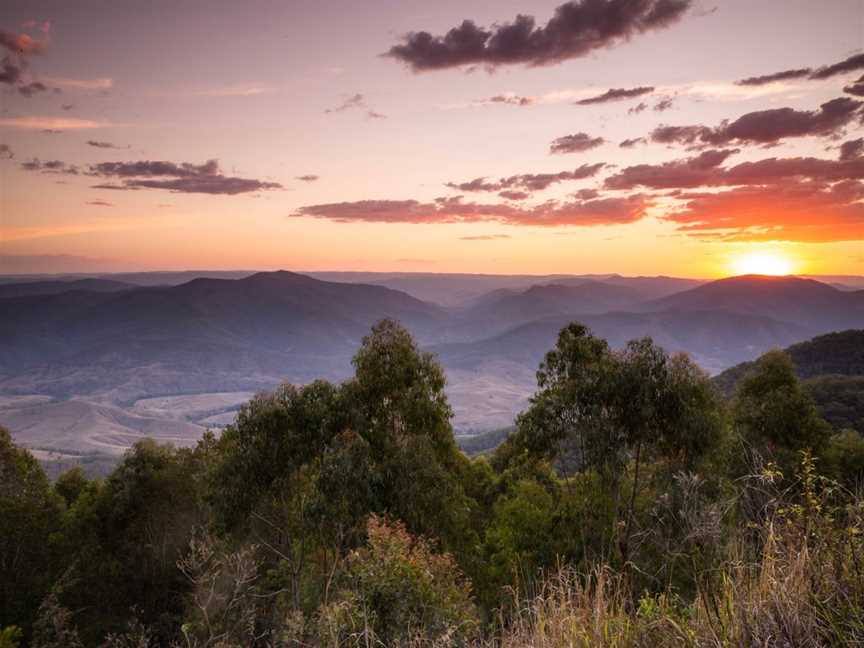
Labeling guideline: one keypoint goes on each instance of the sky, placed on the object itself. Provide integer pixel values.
(679, 137)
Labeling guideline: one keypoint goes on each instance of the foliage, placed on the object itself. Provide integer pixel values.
(627, 508)
(395, 589)
(774, 414)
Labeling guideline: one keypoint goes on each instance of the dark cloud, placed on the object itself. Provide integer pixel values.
(183, 178)
(616, 94)
(513, 100)
(690, 172)
(104, 145)
(356, 102)
(852, 149)
(850, 64)
(51, 131)
(704, 170)
(206, 184)
(630, 143)
(856, 88)
(527, 182)
(99, 203)
(50, 166)
(514, 195)
(765, 79)
(766, 127)
(67, 106)
(6, 152)
(308, 178)
(663, 105)
(601, 211)
(10, 71)
(638, 108)
(576, 29)
(576, 143)
(32, 88)
(148, 168)
(485, 237)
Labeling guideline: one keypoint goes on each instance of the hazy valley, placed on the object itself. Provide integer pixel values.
(90, 364)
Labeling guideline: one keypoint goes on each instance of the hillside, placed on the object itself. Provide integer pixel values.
(832, 370)
(55, 287)
(810, 304)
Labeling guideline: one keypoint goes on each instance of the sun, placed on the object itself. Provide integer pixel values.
(763, 263)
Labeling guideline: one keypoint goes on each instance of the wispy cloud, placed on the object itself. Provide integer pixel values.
(53, 123)
(103, 83)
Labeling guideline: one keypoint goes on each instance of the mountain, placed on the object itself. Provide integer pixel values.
(55, 287)
(834, 354)
(810, 304)
(832, 370)
(504, 309)
(208, 334)
(715, 339)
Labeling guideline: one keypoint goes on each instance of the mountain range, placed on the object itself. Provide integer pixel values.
(111, 343)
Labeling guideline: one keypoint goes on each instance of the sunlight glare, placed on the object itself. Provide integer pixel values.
(763, 263)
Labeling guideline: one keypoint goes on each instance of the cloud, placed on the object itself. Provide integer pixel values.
(638, 108)
(630, 143)
(527, 182)
(103, 83)
(576, 29)
(6, 152)
(510, 99)
(766, 127)
(856, 88)
(850, 64)
(576, 143)
(514, 195)
(184, 177)
(704, 170)
(104, 145)
(690, 172)
(33, 88)
(485, 237)
(795, 211)
(99, 203)
(151, 168)
(67, 106)
(59, 123)
(21, 44)
(356, 101)
(663, 105)
(785, 75)
(852, 149)
(616, 94)
(51, 131)
(308, 178)
(50, 166)
(10, 71)
(600, 211)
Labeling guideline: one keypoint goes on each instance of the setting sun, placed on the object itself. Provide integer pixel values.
(763, 263)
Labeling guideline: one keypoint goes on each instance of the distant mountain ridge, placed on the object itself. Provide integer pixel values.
(115, 344)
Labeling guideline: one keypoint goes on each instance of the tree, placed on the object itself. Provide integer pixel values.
(123, 539)
(397, 589)
(29, 514)
(601, 409)
(775, 415)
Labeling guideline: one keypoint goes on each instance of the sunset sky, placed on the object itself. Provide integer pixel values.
(631, 136)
